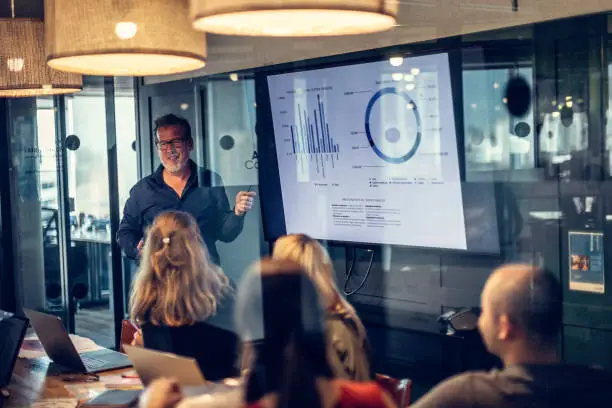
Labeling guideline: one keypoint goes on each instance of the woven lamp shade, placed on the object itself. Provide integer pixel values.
(287, 18)
(122, 37)
(23, 70)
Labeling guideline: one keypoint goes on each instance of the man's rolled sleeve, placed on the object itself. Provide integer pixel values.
(229, 225)
(456, 392)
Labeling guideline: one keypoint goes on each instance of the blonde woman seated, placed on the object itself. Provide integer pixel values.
(280, 316)
(347, 346)
(176, 290)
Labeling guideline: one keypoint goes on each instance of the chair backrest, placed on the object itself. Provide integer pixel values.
(398, 389)
(128, 329)
(214, 348)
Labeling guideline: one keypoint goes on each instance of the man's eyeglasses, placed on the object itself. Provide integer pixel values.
(176, 143)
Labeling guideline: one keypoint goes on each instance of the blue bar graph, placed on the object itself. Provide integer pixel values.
(311, 134)
(292, 140)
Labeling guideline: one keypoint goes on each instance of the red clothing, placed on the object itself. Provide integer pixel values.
(354, 395)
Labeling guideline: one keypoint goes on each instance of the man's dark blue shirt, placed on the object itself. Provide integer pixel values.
(203, 197)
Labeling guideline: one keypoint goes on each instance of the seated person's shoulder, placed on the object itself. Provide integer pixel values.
(342, 326)
(346, 350)
(463, 390)
(338, 327)
(362, 394)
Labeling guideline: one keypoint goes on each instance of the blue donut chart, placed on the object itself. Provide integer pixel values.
(417, 141)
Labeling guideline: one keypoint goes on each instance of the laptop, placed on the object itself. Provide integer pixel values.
(152, 364)
(13, 329)
(56, 342)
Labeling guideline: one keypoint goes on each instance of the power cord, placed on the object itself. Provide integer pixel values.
(347, 277)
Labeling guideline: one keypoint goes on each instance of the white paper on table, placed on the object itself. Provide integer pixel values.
(31, 354)
(85, 391)
(82, 345)
(56, 403)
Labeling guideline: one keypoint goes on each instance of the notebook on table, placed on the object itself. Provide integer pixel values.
(152, 364)
(114, 399)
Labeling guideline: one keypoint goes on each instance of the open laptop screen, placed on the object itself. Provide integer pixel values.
(13, 330)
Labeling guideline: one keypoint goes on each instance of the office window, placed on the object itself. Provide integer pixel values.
(495, 139)
(36, 205)
(608, 117)
(127, 160)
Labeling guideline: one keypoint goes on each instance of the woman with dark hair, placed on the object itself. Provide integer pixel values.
(280, 315)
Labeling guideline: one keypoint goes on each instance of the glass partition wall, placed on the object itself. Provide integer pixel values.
(61, 201)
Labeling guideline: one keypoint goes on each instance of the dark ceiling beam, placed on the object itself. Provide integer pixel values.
(23, 9)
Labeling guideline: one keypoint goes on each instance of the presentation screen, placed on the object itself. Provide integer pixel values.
(367, 153)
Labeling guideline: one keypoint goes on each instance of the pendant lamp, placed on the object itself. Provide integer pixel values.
(23, 71)
(287, 18)
(122, 37)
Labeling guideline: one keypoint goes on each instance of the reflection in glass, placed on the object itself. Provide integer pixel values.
(90, 262)
(494, 138)
(231, 152)
(127, 159)
(34, 155)
(608, 117)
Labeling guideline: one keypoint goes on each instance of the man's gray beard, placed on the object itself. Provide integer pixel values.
(174, 169)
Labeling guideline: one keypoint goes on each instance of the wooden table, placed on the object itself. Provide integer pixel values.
(30, 383)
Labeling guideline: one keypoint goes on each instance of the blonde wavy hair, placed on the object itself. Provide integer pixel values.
(176, 283)
(314, 259)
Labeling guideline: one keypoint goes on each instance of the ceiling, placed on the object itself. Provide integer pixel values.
(418, 21)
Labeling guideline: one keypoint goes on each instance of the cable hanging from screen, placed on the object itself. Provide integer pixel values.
(347, 279)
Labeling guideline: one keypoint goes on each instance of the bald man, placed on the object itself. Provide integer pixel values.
(520, 322)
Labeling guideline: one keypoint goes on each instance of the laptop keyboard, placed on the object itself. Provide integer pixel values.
(92, 363)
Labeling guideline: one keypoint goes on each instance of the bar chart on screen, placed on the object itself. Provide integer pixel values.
(312, 144)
